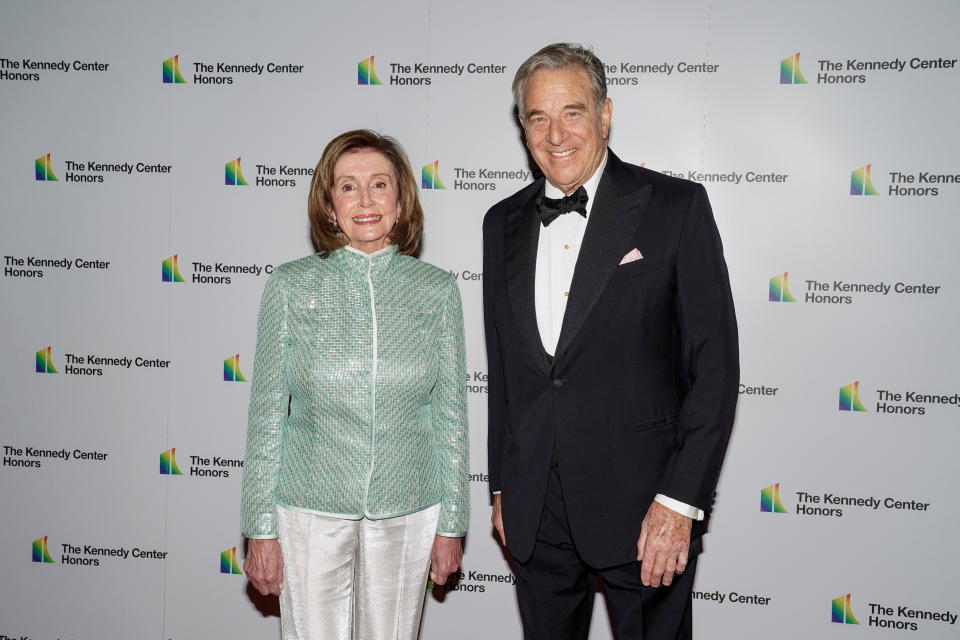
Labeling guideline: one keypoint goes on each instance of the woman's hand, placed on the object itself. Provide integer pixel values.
(445, 558)
(263, 564)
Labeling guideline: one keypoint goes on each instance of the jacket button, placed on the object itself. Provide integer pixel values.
(558, 383)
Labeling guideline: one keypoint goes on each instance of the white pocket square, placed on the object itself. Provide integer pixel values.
(632, 256)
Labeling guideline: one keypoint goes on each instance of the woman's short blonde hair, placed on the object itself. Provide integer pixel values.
(409, 228)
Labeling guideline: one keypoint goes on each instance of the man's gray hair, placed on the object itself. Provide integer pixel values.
(561, 55)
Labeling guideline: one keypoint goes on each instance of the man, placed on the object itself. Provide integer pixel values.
(612, 349)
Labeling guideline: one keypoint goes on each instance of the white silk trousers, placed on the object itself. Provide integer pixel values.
(354, 579)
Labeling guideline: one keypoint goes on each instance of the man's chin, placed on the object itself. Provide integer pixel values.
(566, 179)
(566, 186)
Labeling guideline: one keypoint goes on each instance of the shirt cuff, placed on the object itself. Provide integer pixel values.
(682, 508)
(496, 493)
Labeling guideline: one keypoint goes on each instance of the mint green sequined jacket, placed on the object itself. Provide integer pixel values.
(358, 403)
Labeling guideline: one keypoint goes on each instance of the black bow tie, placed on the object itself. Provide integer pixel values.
(552, 208)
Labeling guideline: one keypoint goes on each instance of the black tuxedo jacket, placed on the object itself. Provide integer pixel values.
(639, 398)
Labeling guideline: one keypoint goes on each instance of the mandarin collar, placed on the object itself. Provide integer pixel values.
(359, 261)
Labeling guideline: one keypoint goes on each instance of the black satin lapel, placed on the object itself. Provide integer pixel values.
(613, 220)
(520, 258)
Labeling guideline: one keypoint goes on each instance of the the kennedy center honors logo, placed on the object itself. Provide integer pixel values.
(367, 73)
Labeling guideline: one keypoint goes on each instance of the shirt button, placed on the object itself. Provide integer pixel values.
(566, 293)
(566, 246)
(557, 382)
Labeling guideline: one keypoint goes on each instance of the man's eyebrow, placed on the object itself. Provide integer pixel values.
(577, 106)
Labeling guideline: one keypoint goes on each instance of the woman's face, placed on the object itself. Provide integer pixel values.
(365, 199)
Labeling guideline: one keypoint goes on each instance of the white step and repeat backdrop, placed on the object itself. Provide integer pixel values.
(155, 165)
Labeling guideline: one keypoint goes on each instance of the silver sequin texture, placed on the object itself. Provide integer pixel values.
(368, 353)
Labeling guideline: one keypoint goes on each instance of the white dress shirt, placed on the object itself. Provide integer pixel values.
(557, 251)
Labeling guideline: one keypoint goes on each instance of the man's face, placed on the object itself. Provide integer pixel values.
(565, 132)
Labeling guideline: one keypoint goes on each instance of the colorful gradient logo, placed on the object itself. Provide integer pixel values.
(231, 369)
(780, 289)
(43, 169)
(770, 500)
(171, 270)
(430, 176)
(171, 71)
(860, 183)
(850, 397)
(168, 463)
(790, 70)
(367, 73)
(44, 361)
(228, 562)
(840, 611)
(232, 175)
(40, 551)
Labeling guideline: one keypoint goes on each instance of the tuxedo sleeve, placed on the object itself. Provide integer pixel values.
(496, 397)
(709, 360)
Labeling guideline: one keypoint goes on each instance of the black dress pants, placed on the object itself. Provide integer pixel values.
(555, 588)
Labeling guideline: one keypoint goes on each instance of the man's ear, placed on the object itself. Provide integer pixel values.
(605, 115)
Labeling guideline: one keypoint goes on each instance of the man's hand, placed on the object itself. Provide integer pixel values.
(663, 545)
(263, 564)
(497, 518)
(445, 558)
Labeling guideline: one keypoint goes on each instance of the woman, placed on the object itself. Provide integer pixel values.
(355, 479)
